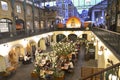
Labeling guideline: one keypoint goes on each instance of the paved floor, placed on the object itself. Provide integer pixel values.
(23, 72)
(78, 65)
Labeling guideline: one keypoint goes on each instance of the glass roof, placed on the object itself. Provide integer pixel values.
(84, 4)
(81, 5)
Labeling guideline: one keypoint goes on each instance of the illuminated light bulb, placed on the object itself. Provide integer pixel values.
(100, 52)
(95, 44)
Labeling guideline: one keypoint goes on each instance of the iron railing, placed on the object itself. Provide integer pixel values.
(110, 72)
(110, 39)
(11, 36)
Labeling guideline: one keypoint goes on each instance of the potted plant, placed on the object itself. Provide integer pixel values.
(59, 75)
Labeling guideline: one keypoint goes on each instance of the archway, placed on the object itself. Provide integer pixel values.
(72, 37)
(84, 36)
(60, 37)
(28, 49)
(33, 47)
(16, 54)
(19, 24)
(42, 44)
(73, 22)
(19, 49)
(47, 40)
(13, 58)
(3, 64)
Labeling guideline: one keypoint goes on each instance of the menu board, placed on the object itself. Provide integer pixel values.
(4, 27)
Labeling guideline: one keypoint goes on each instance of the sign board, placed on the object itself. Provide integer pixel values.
(73, 22)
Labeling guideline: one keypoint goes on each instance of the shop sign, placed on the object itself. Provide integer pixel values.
(73, 22)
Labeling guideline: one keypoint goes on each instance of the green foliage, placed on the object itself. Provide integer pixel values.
(58, 73)
(63, 48)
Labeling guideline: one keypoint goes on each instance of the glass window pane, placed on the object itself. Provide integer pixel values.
(18, 9)
(76, 2)
(4, 5)
(92, 2)
(81, 3)
(4, 27)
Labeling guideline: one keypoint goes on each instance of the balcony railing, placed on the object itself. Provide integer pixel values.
(110, 73)
(7, 37)
(110, 39)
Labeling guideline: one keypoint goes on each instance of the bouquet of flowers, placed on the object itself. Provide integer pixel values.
(64, 48)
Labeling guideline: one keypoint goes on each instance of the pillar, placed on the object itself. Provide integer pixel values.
(13, 15)
(93, 15)
(33, 16)
(24, 7)
(103, 15)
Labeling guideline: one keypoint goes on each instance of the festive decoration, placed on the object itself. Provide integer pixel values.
(64, 48)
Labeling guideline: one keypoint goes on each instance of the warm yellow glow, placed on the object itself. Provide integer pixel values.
(100, 52)
(24, 42)
(66, 33)
(107, 52)
(73, 22)
(36, 38)
(50, 34)
(113, 77)
(44, 35)
(4, 49)
(77, 33)
(95, 43)
(92, 38)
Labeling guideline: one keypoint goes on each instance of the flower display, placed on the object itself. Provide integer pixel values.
(64, 48)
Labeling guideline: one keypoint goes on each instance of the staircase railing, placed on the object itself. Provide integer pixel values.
(110, 73)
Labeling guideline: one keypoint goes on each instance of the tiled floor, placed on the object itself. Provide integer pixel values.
(76, 74)
(23, 72)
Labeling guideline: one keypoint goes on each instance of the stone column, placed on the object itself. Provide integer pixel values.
(103, 15)
(93, 15)
(14, 19)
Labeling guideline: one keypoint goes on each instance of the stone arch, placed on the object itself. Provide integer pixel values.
(2, 64)
(60, 37)
(41, 44)
(72, 37)
(33, 46)
(16, 54)
(32, 42)
(13, 58)
(19, 49)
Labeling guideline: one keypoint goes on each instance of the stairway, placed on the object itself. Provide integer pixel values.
(91, 63)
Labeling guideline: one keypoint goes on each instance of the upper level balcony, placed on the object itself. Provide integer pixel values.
(109, 38)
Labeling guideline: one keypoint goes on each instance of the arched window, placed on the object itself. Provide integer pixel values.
(5, 25)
